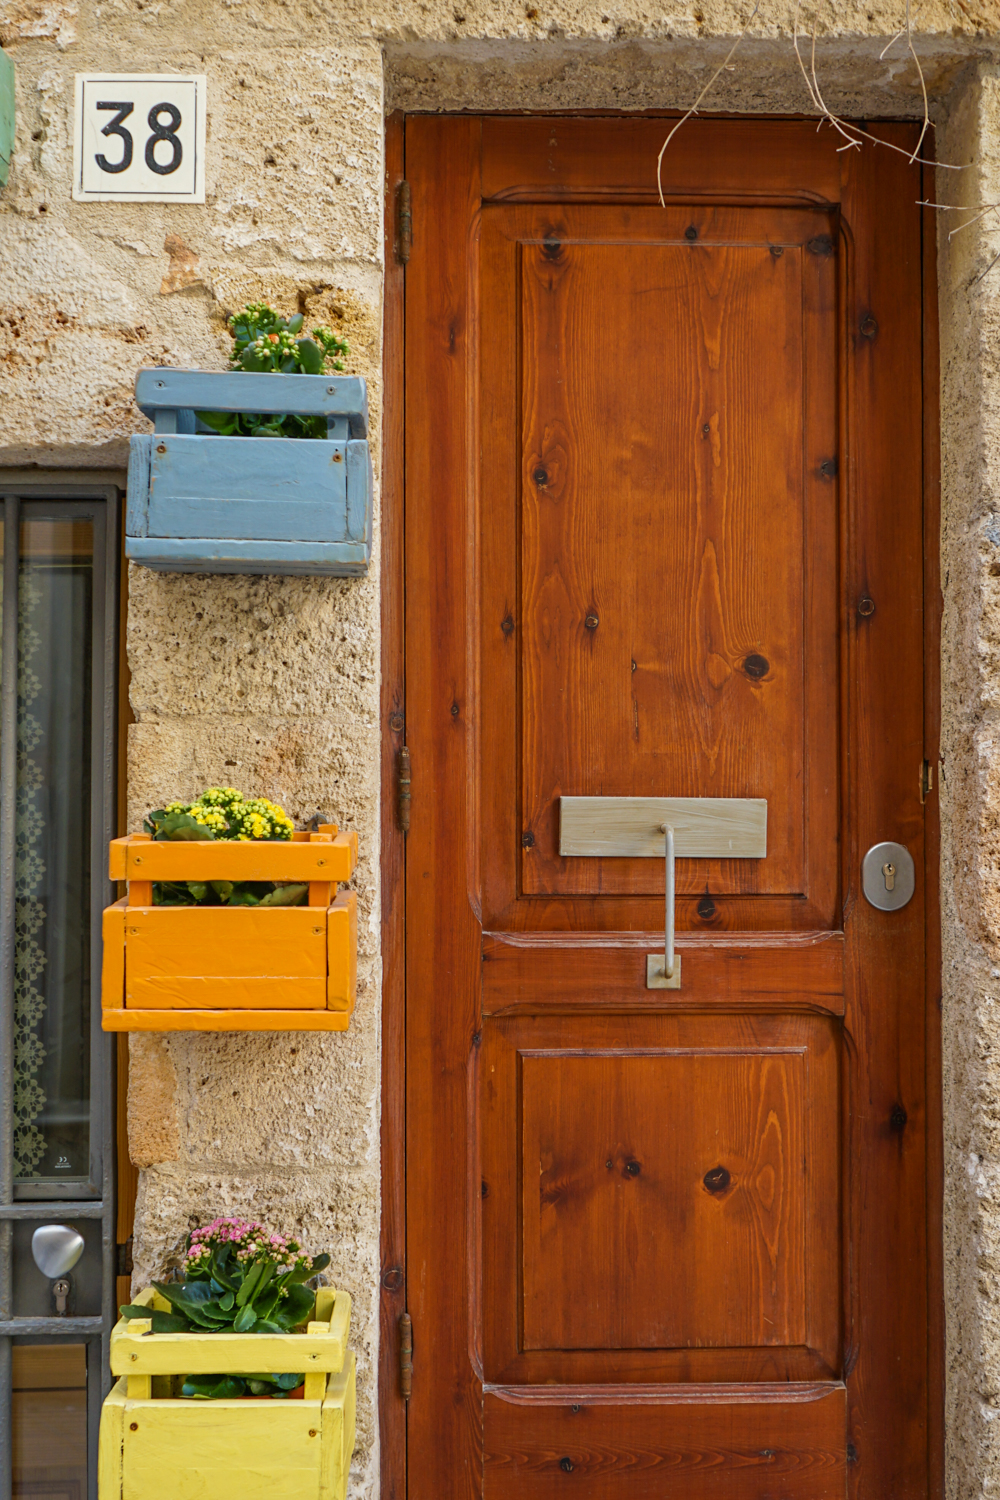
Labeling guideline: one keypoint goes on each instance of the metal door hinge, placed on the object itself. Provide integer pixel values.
(926, 780)
(403, 794)
(404, 222)
(124, 1266)
(405, 1356)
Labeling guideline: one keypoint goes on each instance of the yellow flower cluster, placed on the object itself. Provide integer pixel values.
(224, 810)
(208, 817)
(259, 818)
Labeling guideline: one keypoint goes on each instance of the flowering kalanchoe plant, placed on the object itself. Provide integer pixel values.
(238, 1277)
(266, 343)
(223, 813)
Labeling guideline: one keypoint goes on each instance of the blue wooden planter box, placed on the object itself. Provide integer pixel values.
(200, 503)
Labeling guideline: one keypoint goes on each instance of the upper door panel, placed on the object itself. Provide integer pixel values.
(660, 546)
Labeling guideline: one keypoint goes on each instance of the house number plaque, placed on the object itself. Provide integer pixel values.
(139, 137)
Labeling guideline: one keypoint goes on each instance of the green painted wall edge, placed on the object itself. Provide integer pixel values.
(6, 114)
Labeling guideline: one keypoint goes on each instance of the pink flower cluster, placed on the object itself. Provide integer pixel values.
(250, 1240)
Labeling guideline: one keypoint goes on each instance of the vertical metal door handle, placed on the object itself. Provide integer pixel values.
(668, 917)
(665, 973)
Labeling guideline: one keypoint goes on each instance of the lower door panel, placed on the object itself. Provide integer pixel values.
(759, 1444)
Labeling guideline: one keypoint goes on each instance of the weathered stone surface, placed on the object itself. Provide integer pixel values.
(154, 1133)
(970, 791)
(272, 684)
(221, 646)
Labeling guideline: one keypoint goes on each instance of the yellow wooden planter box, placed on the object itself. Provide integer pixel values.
(155, 1445)
(209, 968)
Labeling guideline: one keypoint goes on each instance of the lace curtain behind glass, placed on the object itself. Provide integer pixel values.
(29, 959)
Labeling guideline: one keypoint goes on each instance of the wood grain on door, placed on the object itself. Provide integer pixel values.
(663, 538)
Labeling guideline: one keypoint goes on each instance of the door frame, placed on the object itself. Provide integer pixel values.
(392, 1270)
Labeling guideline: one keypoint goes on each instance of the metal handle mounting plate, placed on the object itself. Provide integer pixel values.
(664, 827)
(632, 827)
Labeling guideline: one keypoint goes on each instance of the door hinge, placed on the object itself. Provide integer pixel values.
(405, 1356)
(404, 223)
(926, 780)
(124, 1266)
(403, 793)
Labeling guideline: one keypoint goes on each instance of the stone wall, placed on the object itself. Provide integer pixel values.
(970, 797)
(272, 684)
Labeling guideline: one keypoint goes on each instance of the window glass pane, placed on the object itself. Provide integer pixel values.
(52, 981)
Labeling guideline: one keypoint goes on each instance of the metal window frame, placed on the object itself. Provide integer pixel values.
(97, 497)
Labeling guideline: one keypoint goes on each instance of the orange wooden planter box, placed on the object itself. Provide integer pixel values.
(209, 968)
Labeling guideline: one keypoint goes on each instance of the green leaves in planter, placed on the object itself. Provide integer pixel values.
(266, 343)
(213, 1387)
(162, 1322)
(273, 1385)
(176, 827)
(239, 1278)
(285, 895)
(222, 814)
(222, 1387)
(226, 893)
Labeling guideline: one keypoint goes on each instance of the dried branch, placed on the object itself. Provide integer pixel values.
(923, 86)
(957, 208)
(854, 139)
(891, 43)
(907, 31)
(694, 108)
(977, 279)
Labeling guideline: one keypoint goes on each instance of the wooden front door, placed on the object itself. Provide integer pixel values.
(663, 538)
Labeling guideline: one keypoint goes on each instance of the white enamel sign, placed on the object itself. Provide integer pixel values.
(139, 137)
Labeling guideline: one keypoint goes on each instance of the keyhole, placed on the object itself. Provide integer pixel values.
(889, 873)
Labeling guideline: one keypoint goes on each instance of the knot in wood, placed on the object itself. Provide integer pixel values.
(756, 666)
(822, 244)
(717, 1179)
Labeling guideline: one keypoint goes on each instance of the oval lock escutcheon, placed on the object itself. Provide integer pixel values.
(888, 877)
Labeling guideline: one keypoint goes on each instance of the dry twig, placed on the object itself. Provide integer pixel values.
(955, 208)
(854, 138)
(694, 108)
(923, 86)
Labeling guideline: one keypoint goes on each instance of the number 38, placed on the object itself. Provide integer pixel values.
(160, 132)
